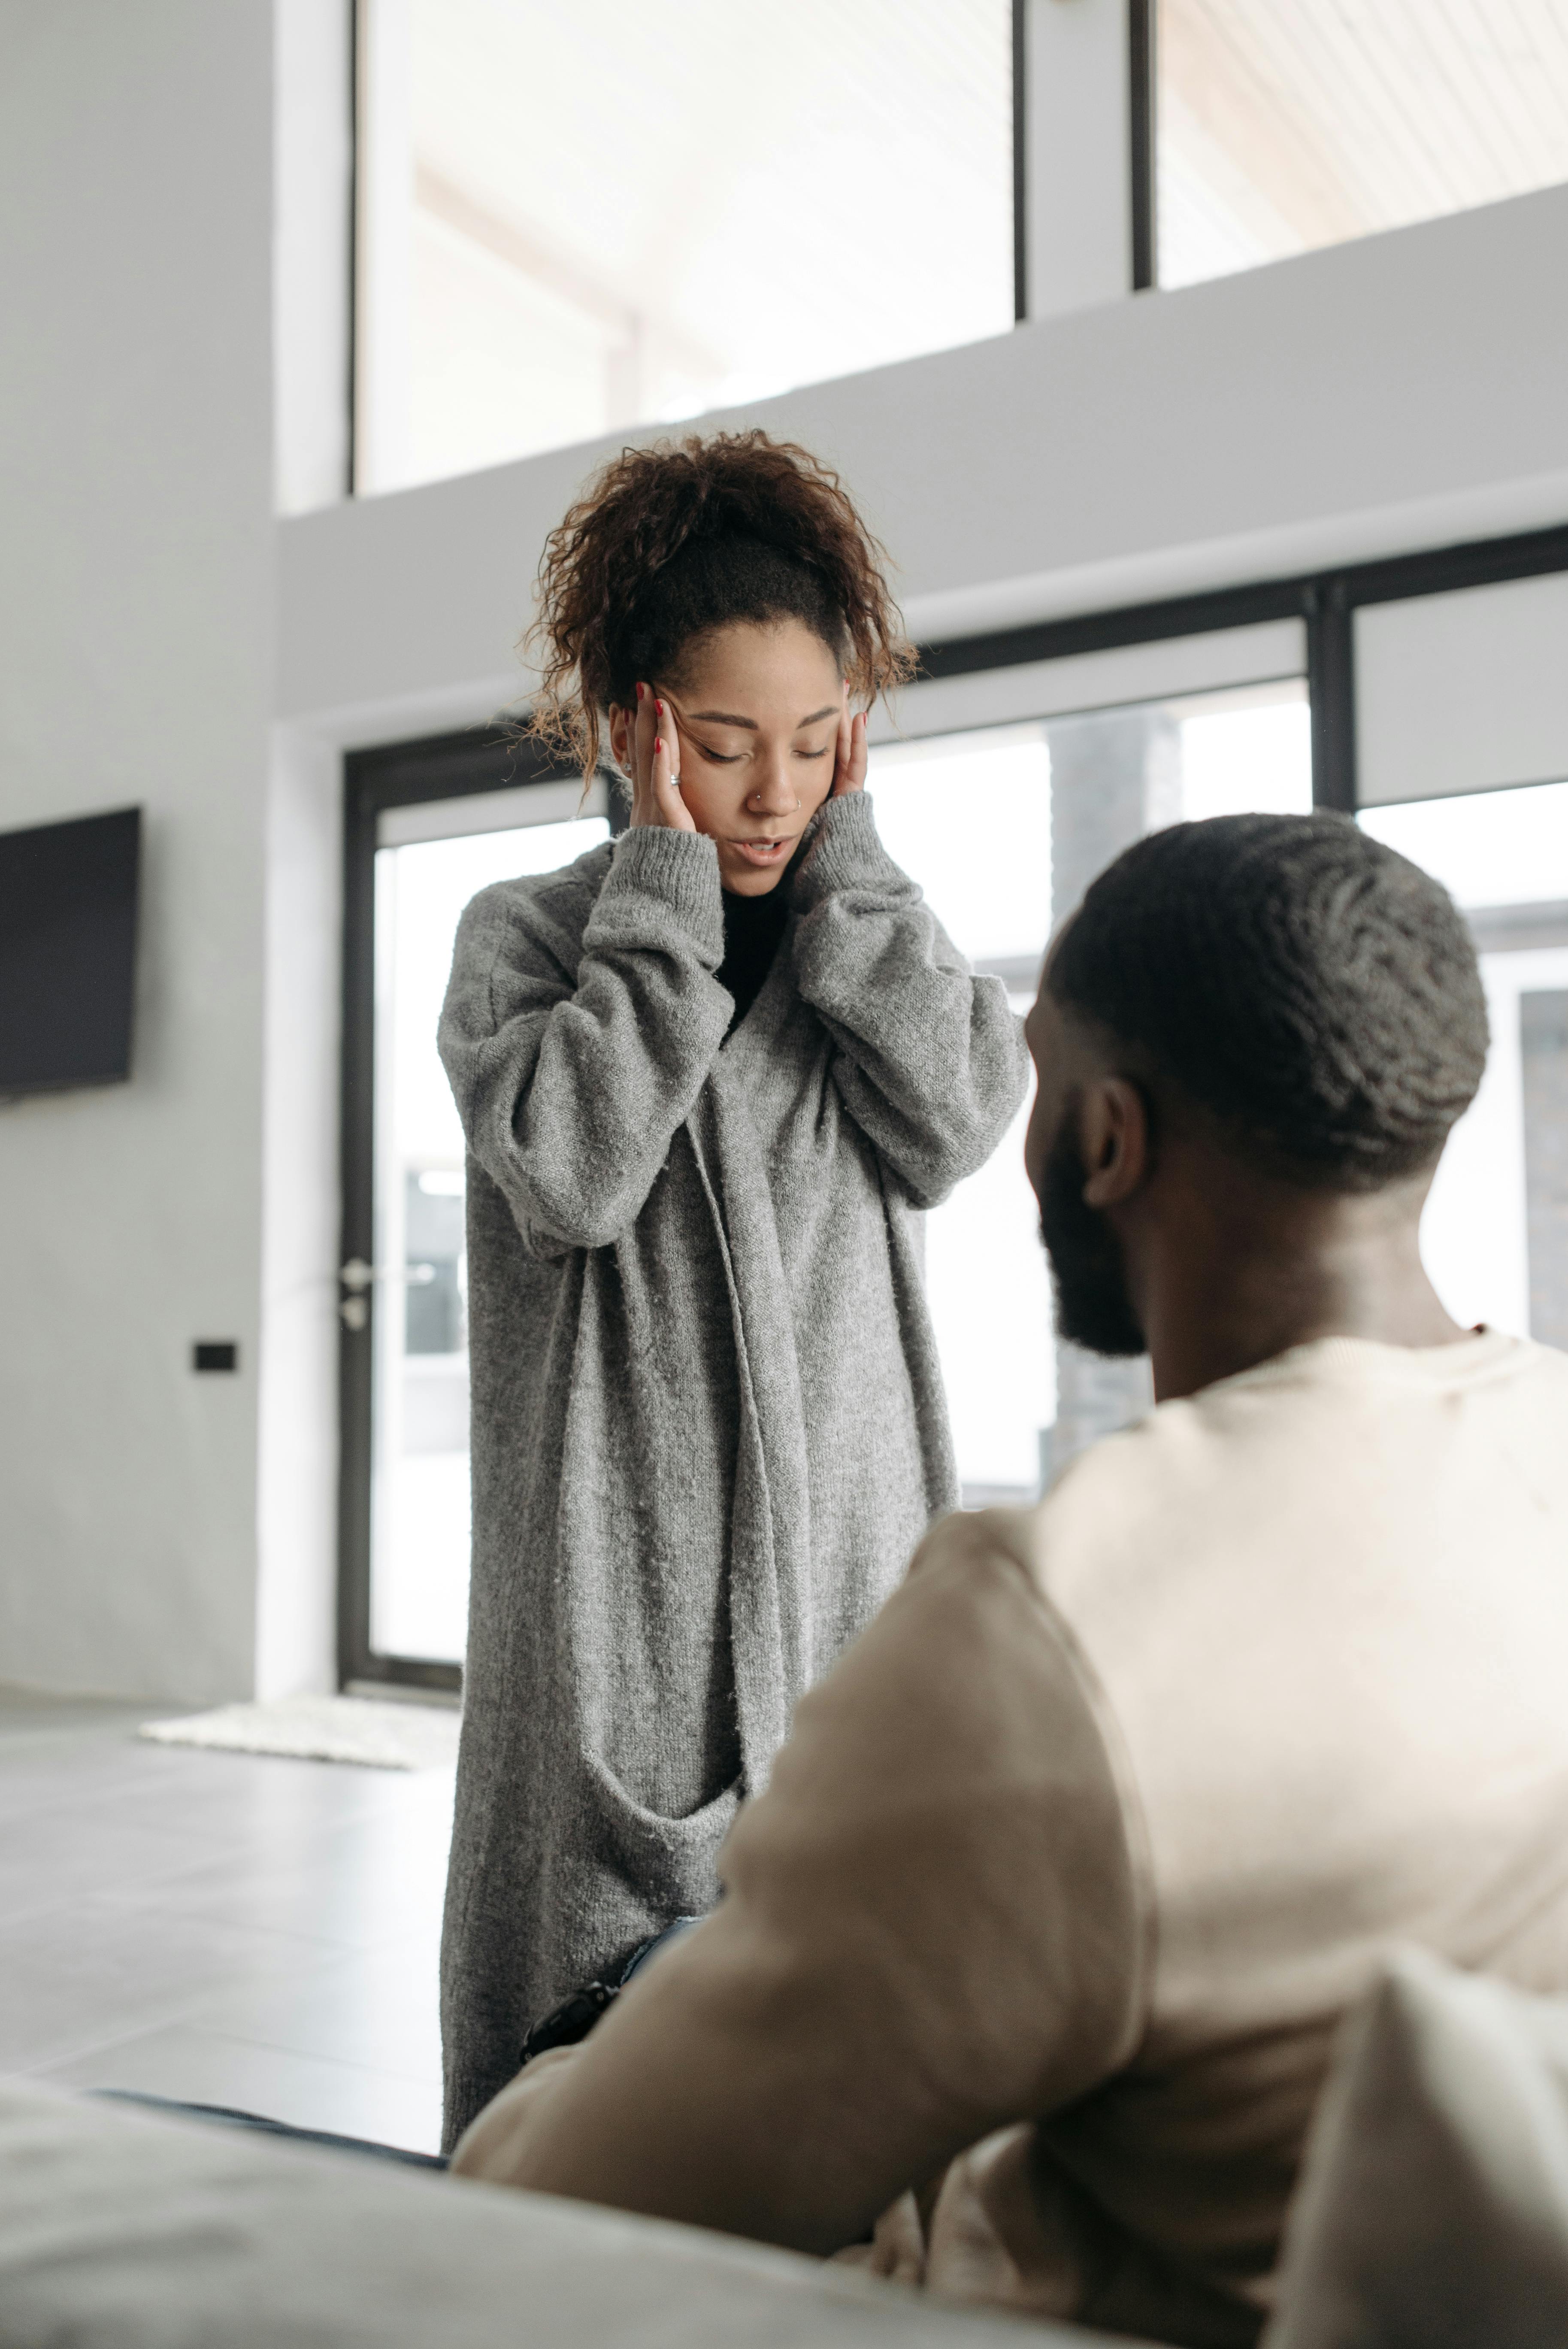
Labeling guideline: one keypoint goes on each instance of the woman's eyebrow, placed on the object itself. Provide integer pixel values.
(727, 717)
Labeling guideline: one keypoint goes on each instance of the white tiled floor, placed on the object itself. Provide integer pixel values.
(230, 1928)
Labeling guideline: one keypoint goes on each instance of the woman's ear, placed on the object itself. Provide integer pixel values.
(620, 737)
(1113, 1132)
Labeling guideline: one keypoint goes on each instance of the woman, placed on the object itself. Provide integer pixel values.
(708, 1075)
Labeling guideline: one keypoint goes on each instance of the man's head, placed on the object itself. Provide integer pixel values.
(1278, 999)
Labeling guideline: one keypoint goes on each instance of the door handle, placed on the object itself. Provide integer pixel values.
(358, 1277)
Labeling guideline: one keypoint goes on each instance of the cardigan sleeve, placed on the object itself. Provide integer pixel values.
(935, 1924)
(931, 1060)
(571, 1083)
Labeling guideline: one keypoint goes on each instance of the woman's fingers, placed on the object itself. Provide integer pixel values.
(849, 763)
(664, 771)
(647, 729)
(636, 763)
(652, 783)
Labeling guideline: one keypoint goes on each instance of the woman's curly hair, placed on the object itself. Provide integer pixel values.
(669, 543)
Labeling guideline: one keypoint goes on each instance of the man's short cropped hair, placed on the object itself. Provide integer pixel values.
(1316, 991)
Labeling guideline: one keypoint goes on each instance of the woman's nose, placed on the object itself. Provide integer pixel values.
(774, 791)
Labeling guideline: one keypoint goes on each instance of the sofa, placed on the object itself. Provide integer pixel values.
(1432, 2213)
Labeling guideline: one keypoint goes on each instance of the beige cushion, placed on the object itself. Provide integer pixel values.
(1433, 2208)
(120, 2230)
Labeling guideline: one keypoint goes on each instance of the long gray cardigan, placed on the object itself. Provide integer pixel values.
(708, 1425)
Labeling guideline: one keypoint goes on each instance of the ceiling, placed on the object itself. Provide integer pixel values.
(774, 193)
(1288, 124)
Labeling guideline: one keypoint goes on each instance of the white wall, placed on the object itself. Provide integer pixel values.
(136, 612)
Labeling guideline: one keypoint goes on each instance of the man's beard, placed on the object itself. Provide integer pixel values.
(1093, 1307)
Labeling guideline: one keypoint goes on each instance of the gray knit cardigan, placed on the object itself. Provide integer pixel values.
(708, 1425)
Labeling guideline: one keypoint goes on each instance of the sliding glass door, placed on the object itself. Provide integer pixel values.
(419, 1394)
(415, 864)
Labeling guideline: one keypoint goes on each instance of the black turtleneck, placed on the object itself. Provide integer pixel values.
(752, 929)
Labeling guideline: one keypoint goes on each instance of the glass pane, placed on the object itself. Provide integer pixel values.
(1495, 1232)
(574, 220)
(1003, 830)
(969, 817)
(1487, 848)
(1288, 124)
(419, 1439)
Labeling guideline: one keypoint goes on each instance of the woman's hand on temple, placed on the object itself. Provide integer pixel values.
(850, 757)
(655, 762)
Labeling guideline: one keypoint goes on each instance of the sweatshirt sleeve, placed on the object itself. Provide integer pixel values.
(571, 1080)
(931, 1062)
(934, 1926)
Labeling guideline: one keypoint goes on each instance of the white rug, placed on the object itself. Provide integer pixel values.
(324, 1729)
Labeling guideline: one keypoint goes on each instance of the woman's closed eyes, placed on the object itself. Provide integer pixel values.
(734, 758)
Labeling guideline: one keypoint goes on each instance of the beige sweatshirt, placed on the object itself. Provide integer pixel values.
(1094, 1835)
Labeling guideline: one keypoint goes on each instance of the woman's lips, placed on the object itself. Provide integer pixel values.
(762, 852)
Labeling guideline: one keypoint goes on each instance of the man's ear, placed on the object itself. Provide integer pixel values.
(1113, 1132)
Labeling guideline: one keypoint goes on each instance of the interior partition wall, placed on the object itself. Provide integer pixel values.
(1418, 692)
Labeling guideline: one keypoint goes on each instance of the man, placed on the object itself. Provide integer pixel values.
(1070, 1871)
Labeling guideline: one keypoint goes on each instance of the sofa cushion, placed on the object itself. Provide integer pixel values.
(122, 2230)
(1433, 2208)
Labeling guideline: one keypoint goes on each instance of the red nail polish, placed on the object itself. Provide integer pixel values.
(658, 744)
(660, 708)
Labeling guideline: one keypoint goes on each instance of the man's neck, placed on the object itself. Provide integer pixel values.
(1228, 1272)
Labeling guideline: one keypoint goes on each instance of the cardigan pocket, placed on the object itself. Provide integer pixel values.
(671, 1861)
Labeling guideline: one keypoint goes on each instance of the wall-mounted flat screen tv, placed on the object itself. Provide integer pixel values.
(67, 952)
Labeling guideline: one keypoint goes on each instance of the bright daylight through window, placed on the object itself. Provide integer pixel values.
(576, 220)
(1044, 807)
(1495, 1232)
(1283, 125)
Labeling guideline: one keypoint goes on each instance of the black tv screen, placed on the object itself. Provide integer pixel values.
(68, 951)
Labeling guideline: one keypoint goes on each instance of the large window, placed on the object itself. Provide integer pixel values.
(1289, 124)
(1495, 1232)
(577, 223)
(572, 221)
(419, 1423)
(1462, 728)
(1004, 829)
